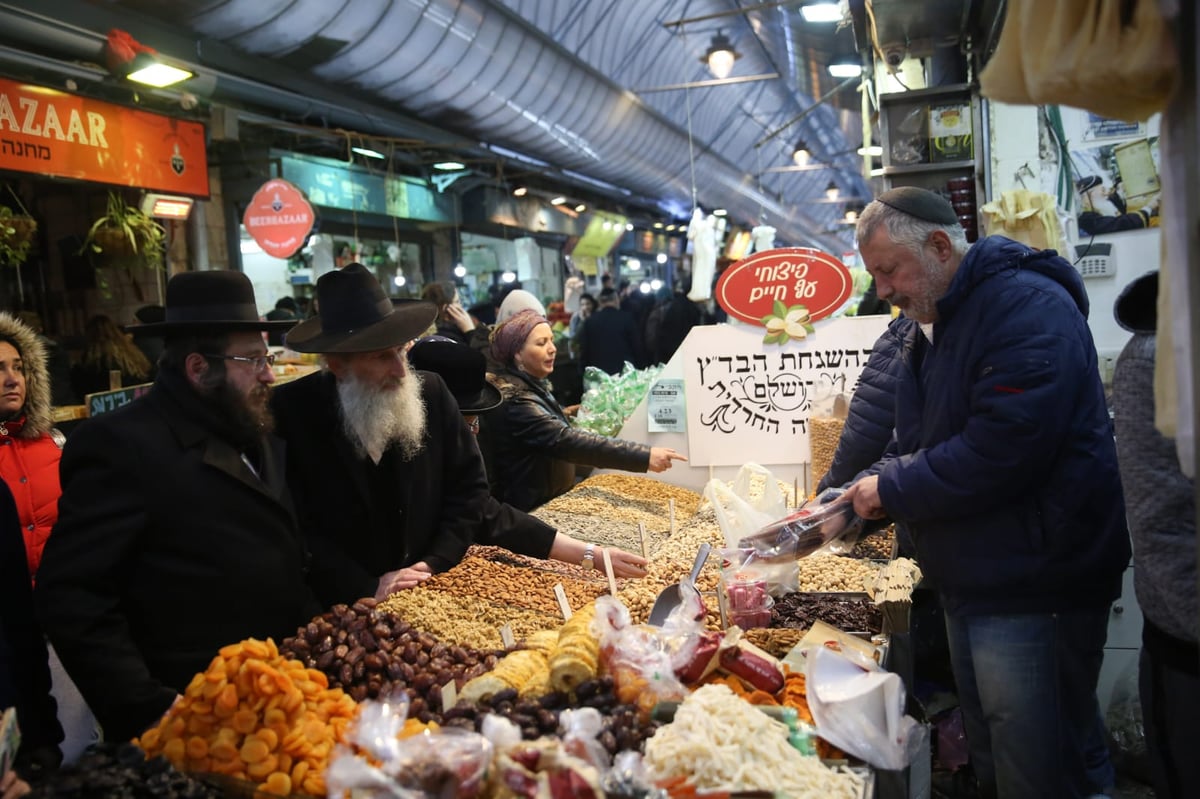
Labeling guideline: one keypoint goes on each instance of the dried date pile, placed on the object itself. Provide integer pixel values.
(110, 770)
(369, 652)
(848, 614)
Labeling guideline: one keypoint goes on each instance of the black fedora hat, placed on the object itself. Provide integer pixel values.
(355, 315)
(209, 302)
(464, 370)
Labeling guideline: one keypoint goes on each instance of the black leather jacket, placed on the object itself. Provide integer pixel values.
(535, 449)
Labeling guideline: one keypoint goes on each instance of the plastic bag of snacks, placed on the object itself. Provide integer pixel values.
(805, 531)
(746, 579)
(636, 656)
(379, 761)
(608, 400)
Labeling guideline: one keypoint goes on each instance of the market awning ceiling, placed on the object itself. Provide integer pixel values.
(589, 88)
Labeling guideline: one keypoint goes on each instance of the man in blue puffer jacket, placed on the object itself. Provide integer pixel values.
(1004, 470)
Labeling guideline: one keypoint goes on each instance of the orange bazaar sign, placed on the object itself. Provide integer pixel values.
(755, 288)
(48, 132)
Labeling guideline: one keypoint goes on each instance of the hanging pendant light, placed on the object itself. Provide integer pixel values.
(832, 191)
(801, 155)
(720, 56)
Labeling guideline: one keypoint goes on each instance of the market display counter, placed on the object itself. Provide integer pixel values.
(489, 637)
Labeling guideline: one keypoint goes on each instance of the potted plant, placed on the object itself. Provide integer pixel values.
(124, 230)
(17, 229)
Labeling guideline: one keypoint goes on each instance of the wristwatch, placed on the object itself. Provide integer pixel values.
(589, 557)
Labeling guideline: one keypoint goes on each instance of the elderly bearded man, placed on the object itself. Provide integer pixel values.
(388, 479)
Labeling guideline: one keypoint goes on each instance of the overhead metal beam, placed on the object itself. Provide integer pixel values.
(701, 84)
(731, 13)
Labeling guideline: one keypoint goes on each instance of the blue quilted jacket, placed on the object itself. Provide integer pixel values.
(1004, 467)
(872, 411)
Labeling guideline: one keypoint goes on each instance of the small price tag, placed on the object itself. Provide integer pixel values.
(642, 535)
(671, 505)
(564, 604)
(612, 581)
(506, 636)
(449, 695)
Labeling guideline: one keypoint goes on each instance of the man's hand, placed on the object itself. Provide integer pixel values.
(624, 564)
(661, 457)
(459, 316)
(401, 579)
(865, 496)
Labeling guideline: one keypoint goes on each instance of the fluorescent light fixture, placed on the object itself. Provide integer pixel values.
(845, 69)
(579, 209)
(821, 12)
(656, 284)
(832, 191)
(658, 225)
(367, 152)
(520, 191)
(670, 228)
(662, 258)
(166, 206)
(719, 212)
(508, 277)
(874, 151)
(720, 56)
(558, 200)
(399, 280)
(449, 166)
(460, 271)
(149, 71)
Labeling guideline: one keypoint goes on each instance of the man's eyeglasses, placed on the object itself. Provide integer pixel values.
(259, 362)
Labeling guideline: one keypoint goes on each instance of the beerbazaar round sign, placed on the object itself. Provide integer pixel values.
(279, 218)
(785, 290)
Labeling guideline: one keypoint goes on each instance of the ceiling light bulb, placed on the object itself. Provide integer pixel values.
(149, 71)
(634, 264)
(449, 166)
(821, 12)
(508, 277)
(558, 200)
(579, 209)
(720, 56)
(801, 155)
(520, 191)
(719, 212)
(874, 151)
(460, 271)
(832, 191)
(851, 216)
(662, 258)
(670, 228)
(399, 280)
(629, 226)
(645, 287)
(656, 284)
(658, 225)
(845, 69)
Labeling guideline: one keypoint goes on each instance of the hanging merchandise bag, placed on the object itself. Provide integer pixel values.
(1116, 58)
(1030, 217)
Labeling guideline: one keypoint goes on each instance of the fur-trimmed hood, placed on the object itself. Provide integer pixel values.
(37, 377)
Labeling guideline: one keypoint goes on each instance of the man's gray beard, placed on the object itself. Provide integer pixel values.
(375, 419)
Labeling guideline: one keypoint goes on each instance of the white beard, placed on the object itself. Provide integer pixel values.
(375, 419)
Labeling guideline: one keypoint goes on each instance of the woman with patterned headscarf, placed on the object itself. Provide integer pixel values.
(535, 448)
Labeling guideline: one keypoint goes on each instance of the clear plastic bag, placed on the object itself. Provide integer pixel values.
(804, 531)
(449, 763)
(746, 505)
(637, 657)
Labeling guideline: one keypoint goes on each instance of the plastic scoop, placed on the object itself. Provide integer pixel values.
(671, 597)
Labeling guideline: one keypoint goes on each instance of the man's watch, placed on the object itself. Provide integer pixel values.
(589, 557)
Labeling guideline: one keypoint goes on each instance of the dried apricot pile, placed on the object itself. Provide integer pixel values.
(257, 716)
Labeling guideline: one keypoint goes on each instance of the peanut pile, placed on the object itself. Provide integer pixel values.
(465, 619)
(512, 585)
(834, 573)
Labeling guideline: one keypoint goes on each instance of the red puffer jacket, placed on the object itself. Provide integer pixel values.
(30, 467)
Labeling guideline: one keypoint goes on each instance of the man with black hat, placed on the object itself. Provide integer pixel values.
(176, 533)
(1003, 468)
(464, 371)
(387, 478)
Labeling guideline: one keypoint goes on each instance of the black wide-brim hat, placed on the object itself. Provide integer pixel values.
(355, 315)
(218, 301)
(463, 369)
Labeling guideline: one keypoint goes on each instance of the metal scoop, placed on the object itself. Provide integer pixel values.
(672, 596)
